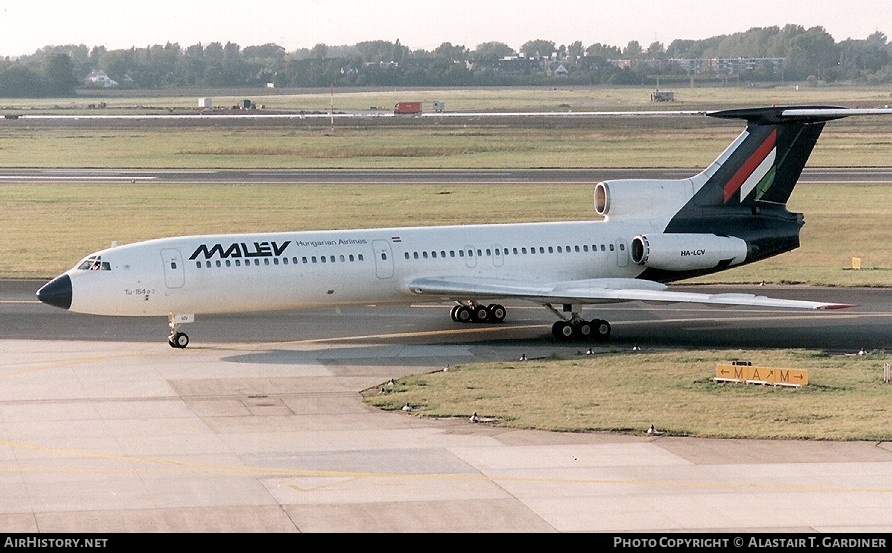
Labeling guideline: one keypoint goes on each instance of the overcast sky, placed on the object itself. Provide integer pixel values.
(27, 25)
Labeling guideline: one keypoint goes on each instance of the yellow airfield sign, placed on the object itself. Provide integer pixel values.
(748, 374)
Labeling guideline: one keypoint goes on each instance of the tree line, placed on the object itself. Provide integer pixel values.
(797, 53)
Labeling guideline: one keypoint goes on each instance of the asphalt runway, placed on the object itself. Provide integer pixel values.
(551, 176)
(866, 326)
(259, 426)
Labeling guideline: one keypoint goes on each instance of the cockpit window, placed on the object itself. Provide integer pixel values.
(94, 263)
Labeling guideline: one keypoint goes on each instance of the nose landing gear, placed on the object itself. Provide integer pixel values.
(178, 339)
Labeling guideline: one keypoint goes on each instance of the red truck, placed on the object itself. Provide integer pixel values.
(407, 108)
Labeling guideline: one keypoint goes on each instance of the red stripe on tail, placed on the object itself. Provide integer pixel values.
(734, 184)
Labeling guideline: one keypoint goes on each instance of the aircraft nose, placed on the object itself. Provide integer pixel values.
(56, 292)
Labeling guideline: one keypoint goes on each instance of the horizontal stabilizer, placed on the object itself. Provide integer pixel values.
(800, 114)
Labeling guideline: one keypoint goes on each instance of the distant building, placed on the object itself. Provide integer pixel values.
(556, 71)
(662, 96)
(99, 79)
(700, 66)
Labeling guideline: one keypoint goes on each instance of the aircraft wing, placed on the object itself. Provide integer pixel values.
(599, 290)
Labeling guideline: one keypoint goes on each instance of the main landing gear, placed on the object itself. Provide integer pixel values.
(575, 327)
(596, 330)
(473, 312)
(567, 329)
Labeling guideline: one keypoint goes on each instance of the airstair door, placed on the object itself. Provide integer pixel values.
(383, 258)
(497, 258)
(622, 253)
(470, 260)
(174, 270)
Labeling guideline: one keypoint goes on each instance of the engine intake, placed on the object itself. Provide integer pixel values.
(682, 252)
(641, 197)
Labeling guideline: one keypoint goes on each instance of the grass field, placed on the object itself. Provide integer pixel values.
(625, 391)
(518, 142)
(546, 98)
(48, 227)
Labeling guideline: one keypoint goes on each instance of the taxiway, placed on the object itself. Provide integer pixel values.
(259, 426)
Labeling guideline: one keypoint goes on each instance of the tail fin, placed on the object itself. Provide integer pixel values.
(764, 163)
(744, 192)
(772, 153)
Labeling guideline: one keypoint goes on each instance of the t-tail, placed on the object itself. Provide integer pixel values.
(736, 207)
(765, 162)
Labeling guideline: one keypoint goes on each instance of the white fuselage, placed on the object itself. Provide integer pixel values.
(293, 270)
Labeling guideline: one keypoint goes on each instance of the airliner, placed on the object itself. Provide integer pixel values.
(648, 234)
